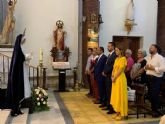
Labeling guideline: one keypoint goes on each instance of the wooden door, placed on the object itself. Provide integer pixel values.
(161, 25)
(125, 42)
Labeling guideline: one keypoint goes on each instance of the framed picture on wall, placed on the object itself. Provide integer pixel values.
(94, 18)
(7, 23)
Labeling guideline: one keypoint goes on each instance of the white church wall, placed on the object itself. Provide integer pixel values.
(39, 18)
(113, 14)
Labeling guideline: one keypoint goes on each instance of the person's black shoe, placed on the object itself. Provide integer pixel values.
(89, 95)
(155, 115)
(106, 109)
(102, 106)
(111, 112)
(97, 102)
(160, 112)
(19, 112)
(13, 114)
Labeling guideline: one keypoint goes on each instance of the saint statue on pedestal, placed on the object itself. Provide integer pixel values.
(59, 51)
(59, 35)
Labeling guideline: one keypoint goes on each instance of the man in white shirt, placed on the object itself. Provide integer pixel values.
(155, 68)
(87, 70)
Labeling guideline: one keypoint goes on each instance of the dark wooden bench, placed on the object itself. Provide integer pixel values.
(140, 105)
(162, 96)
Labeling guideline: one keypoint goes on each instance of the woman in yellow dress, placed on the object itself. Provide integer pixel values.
(119, 95)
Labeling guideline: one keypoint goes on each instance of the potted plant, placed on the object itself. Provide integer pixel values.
(54, 53)
(66, 53)
(40, 100)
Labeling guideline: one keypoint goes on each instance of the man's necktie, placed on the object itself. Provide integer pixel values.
(108, 58)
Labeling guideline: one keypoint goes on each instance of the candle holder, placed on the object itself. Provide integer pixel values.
(76, 86)
(40, 72)
(40, 63)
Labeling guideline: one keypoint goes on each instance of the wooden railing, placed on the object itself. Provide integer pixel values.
(34, 69)
(36, 74)
(4, 69)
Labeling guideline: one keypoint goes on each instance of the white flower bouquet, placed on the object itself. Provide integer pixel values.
(40, 99)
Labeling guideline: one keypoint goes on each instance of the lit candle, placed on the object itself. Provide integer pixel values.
(41, 55)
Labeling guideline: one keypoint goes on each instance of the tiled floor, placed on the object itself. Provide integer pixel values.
(4, 114)
(21, 119)
(83, 111)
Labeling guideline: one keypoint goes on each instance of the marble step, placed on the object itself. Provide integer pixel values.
(21, 119)
(3, 85)
(4, 116)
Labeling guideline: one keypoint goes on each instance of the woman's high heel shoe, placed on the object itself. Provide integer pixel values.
(114, 116)
(118, 118)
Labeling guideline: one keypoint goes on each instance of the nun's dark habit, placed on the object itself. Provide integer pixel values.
(15, 89)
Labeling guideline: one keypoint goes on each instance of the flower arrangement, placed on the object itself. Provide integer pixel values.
(66, 53)
(40, 99)
(54, 53)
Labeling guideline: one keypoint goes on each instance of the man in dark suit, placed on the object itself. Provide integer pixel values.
(107, 74)
(98, 69)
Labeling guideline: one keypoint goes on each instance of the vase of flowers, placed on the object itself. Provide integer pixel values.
(54, 53)
(40, 99)
(66, 53)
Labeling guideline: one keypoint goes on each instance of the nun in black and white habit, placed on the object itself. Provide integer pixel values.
(18, 83)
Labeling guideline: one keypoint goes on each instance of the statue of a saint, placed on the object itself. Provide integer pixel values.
(130, 11)
(9, 23)
(129, 22)
(59, 35)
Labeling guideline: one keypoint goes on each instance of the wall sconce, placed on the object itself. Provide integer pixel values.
(84, 18)
(100, 19)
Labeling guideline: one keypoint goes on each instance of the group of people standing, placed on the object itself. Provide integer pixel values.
(109, 76)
